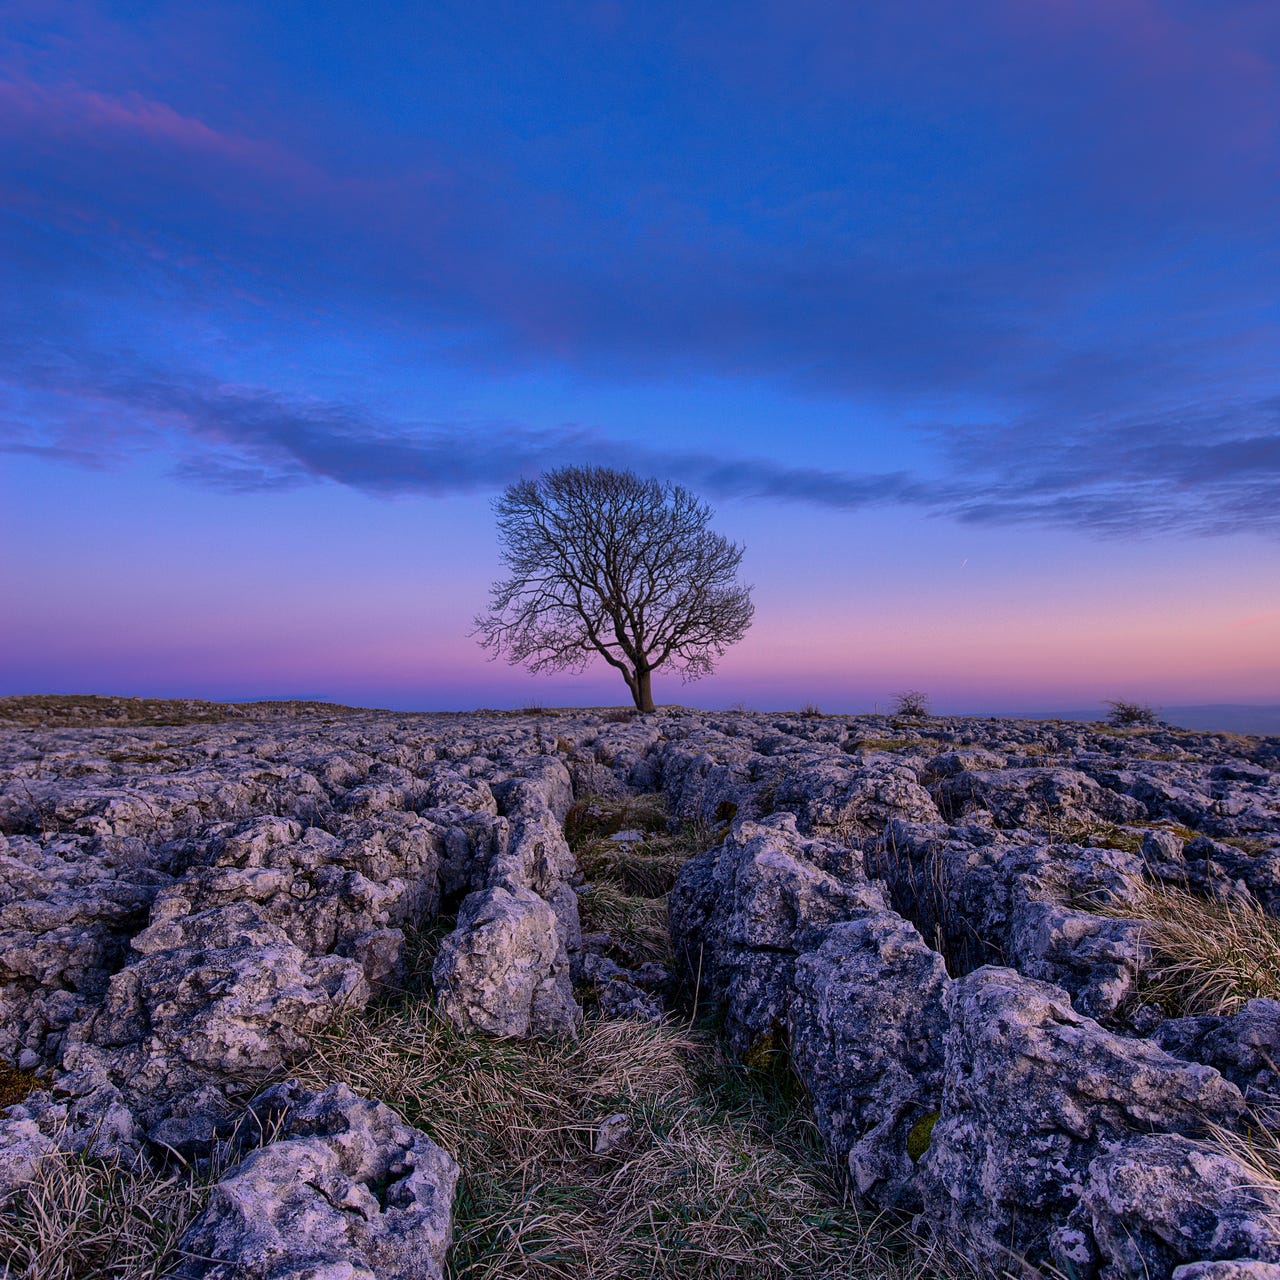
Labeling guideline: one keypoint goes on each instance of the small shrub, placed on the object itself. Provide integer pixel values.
(1129, 715)
(911, 704)
(811, 711)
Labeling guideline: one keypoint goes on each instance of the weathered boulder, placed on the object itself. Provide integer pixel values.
(838, 796)
(535, 785)
(1033, 1092)
(235, 1006)
(1233, 1269)
(742, 912)
(623, 993)
(1028, 798)
(1153, 1203)
(86, 1116)
(68, 907)
(1244, 1047)
(985, 900)
(23, 1145)
(592, 780)
(504, 970)
(867, 1027)
(345, 1190)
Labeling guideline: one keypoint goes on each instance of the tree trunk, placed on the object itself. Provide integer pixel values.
(644, 689)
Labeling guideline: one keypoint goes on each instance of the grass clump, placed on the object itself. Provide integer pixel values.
(704, 1184)
(1252, 845)
(644, 867)
(1257, 1147)
(596, 819)
(629, 881)
(1094, 834)
(1209, 956)
(83, 1218)
(637, 924)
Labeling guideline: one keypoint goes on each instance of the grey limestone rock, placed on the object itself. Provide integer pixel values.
(179, 1019)
(867, 1031)
(68, 907)
(840, 796)
(623, 993)
(1244, 1046)
(23, 1145)
(741, 913)
(504, 970)
(1033, 1092)
(1154, 1203)
(87, 1116)
(1024, 798)
(346, 1189)
(1232, 1269)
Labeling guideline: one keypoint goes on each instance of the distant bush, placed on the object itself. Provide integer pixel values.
(911, 703)
(811, 711)
(1128, 714)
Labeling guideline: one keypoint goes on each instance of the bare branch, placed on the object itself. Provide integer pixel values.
(604, 563)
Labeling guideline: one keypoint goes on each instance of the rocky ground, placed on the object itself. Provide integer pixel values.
(959, 936)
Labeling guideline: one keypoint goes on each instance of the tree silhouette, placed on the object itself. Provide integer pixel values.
(605, 563)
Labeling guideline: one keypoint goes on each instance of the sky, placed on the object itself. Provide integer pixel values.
(964, 319)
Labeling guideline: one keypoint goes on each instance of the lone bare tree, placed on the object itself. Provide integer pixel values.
(605, 563)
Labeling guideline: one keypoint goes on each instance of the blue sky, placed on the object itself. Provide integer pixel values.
(963, 317)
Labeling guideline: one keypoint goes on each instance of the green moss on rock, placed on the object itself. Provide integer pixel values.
(921, 1135)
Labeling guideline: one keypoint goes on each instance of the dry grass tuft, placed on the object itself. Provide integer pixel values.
(1210, 956)
(595, 819)
(1257, 1147)
(82, 1218)
(706, 1185)
(637, 923)
(15, 1085)
(648, 868)
(629, 881)
(1096, 834)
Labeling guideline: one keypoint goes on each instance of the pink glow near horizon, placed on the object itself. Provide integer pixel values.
(1068, 655)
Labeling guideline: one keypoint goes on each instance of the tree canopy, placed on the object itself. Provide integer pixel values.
(605, 563)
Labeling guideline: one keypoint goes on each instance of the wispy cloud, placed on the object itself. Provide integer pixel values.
(1212, 472)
